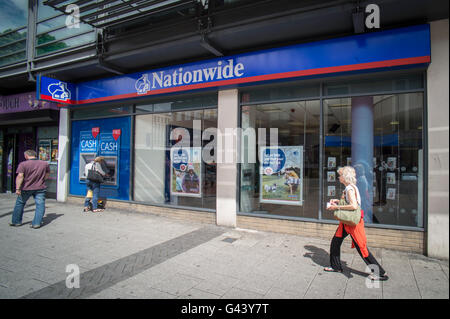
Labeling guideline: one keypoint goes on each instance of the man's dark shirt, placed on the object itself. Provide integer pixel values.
(33, 174)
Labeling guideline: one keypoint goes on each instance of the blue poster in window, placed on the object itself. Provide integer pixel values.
(88, 143)
(281, 176)
(109, 146)
(88, 146)
(109, 138)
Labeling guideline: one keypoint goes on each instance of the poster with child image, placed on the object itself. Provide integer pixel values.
(281, 175)
(186, 171)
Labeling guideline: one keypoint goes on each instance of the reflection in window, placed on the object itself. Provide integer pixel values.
(173, 104)
(60, 22)
(171, 174)
(13, 14)
(53, 34)
(288, 186)
(60, 45)
(13, 31)
(391, 183)
(91, 112)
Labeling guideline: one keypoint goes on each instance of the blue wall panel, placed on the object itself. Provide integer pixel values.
(122, 189)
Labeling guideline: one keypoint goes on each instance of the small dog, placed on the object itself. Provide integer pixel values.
(270, 188)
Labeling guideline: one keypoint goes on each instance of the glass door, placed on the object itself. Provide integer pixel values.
(48, 151)
(10, 167)
(1, 161)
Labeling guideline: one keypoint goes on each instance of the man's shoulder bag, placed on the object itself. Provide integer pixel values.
(94, 176)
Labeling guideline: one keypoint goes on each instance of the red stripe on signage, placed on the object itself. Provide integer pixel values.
(276, 76)
(60, 103)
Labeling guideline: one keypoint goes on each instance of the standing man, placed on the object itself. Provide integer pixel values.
(30, 181)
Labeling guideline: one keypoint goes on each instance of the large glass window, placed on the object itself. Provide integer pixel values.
(100, 111)
(373, 123)
(170, 168)
(48, 151)
(381, 137)
(282, 180)
(1, 160)
(56, 31)
(13, 30)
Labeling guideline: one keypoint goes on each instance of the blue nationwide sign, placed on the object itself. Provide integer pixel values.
(395, 48)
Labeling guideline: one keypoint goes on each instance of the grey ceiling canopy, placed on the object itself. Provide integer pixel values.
(106, 13)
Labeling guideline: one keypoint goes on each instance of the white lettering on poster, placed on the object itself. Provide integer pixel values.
(88, 144)
(108, 146)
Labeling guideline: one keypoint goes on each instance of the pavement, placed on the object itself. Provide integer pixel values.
(130, 255)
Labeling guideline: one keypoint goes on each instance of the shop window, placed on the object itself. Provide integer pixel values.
(174, 104)
(53, 34)
(1, 160)
(280, 92)
(169, 168)
(13, 31)
(283, 180)
(375, 84)
(48, 151)
(93, 112)
(382, 138)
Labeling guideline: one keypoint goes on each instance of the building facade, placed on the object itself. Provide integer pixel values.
(244, 123)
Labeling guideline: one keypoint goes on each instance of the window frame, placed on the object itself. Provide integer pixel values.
(133, 113)
(344, 79)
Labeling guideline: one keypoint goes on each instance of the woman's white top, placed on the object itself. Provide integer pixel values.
(358, 196)
(94, 165)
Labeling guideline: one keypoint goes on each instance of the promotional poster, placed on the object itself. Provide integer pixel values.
(186, 171)
(109, 138)
(44, 150)
(281, 176)
(88, 149)
(92, 144)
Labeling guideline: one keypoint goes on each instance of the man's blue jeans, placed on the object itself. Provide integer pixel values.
(39, 199)
(95, 188)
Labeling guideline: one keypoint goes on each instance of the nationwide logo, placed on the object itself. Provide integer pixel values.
(142, 85)
(224, 70)
(59, 91)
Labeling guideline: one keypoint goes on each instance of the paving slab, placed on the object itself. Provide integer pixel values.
(131, 255)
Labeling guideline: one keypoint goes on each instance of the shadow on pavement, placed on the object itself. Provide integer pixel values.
(10, 213)
(322, 258)
(28, 208)
(48, 218)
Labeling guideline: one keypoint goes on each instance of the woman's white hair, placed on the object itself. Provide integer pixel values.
(348, 173)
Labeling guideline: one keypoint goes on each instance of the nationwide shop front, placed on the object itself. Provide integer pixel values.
(255, 140)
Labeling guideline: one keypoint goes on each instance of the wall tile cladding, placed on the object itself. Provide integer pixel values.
(402, 240)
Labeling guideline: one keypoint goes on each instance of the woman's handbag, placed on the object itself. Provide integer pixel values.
(94, 176)
(348, 217)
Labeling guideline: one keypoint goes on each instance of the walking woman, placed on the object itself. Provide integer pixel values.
(347, 176)
(99, 165)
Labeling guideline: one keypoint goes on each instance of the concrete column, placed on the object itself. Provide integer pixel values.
(226, 205)
(362, 151)
(438, 142)
(63, 155)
